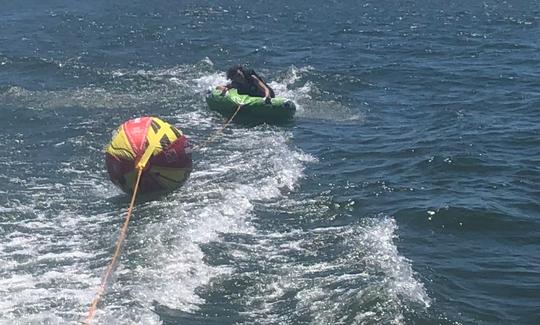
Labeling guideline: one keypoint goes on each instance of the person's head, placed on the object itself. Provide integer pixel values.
(235, 73)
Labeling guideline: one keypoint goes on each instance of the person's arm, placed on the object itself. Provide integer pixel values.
(263, 88)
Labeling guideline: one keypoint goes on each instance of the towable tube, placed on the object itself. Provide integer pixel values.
(168, 166)
(254, 109)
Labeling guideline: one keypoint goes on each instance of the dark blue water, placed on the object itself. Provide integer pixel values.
(405, 192)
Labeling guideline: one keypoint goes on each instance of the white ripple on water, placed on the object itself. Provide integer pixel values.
(364, 276)
(46, 269)
(45, 260)
(306, 98)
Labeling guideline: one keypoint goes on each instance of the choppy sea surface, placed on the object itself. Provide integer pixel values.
(406, 190)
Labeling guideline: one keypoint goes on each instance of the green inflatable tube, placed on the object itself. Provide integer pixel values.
(254, 109)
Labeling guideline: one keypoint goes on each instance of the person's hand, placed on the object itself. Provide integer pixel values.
(223, 90)
(267, 100)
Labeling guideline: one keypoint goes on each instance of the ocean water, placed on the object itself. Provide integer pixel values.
(406, 191)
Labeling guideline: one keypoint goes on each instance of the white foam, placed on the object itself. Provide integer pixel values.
(300, 95)
(306, 96)
(365, 277)
(44, 262)
(208, 82)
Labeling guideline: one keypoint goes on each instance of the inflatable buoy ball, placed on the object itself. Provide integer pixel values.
(160, 147)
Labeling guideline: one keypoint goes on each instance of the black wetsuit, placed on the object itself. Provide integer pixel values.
(251, 88)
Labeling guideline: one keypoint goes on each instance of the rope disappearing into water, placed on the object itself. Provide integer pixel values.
(123, 231)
